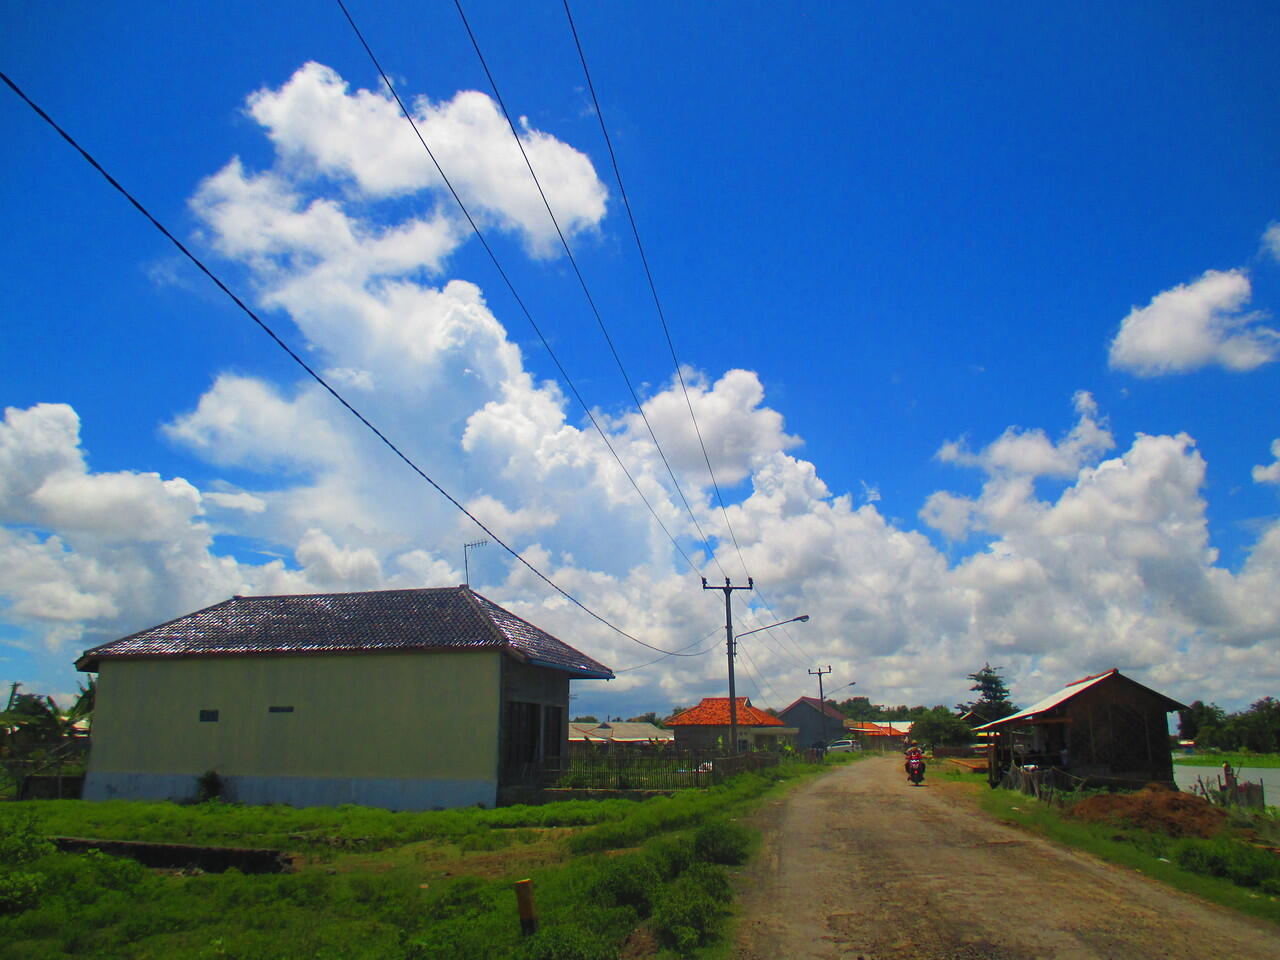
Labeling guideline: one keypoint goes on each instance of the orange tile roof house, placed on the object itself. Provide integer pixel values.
(883, 734)
(706, 726)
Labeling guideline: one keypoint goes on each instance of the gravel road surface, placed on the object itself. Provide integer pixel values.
(860, 864)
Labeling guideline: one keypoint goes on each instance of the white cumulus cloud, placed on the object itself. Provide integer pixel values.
(317, 124)
(1269, 472)
(1195, 325)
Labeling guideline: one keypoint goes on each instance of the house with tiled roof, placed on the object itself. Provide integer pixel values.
(405, 699)
(707, 727)
(816, 721)
(621, 732)
(877, 734)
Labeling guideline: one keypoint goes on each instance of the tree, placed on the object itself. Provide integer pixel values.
(1256, 729)
(939, 727)
(859, 708)
(993, 696)
(650, 717)
(587, 719)
(1198, 715)
(36, 736)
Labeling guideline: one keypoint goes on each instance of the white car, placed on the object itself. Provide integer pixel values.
(842, 746)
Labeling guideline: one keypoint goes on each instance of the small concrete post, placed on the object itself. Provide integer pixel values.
(528, 913)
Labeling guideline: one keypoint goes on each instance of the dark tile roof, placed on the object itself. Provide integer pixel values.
(817, 705)
(442, 618)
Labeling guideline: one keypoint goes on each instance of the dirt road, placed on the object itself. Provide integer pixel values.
(860, 864)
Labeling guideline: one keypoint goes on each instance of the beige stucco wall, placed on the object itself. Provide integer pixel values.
(369, 715)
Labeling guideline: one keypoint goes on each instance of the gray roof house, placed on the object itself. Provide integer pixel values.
(408, 699)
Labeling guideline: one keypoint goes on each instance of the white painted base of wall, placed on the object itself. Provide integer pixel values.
(391, 794)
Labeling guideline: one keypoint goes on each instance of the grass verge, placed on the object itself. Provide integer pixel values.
(1237, 759)
(1186, 863)
(375, 885)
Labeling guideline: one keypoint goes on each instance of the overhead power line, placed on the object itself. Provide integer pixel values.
(583, 283)
(317, 377)
(507, 280)
(753, 672)
(695, 643)
(657, 302)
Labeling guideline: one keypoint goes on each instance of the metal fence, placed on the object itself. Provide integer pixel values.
(663, 770)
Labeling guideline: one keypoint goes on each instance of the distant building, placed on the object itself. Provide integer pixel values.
(815, 721)
(877, 734)
(620, 733)
(706, 727)
(406, 699)
(1105, 727)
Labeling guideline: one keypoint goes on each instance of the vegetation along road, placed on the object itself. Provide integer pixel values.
(860, 864)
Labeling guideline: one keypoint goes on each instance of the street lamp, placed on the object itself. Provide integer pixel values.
(733, 700)
(800, 619)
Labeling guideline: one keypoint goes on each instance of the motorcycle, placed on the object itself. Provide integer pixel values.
(915, 770)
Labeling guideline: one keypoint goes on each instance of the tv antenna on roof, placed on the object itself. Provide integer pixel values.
(466, 563)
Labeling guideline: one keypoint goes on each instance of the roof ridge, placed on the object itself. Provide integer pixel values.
(470, 597)
(332, 593)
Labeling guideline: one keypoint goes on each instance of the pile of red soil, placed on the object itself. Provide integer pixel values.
(1156, 809)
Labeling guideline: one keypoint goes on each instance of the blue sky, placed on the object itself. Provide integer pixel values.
(978, 308)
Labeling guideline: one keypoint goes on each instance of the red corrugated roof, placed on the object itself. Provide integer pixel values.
(714, 712)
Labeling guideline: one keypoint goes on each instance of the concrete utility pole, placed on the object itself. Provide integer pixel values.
(728, 633)
(822, 703)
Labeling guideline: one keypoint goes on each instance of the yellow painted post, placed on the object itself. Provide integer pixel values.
(528, 913)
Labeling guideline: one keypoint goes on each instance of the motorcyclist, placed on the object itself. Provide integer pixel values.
(913, 752)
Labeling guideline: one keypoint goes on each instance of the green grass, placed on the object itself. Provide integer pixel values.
(1159, 857)
(375, 885)
(1237, 759)
(308, 830)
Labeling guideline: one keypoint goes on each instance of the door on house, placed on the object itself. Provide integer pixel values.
(533, 736)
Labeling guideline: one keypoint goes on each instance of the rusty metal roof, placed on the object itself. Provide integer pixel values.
(1029, 716)
(442, 618)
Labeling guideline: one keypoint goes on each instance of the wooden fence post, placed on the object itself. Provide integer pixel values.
(524, 902)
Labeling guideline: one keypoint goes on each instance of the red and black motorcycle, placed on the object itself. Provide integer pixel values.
(915, 770)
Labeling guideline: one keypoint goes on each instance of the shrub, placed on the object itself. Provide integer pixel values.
(713, 880)
(1243, 864)
(448, 940)
(19, 890)
(685, 916)
(672, 855)
(208, 786)
(567, 941)
(721, 841)
(21, 840)
(629, 881)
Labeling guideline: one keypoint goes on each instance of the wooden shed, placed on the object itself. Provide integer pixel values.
(1105, 728)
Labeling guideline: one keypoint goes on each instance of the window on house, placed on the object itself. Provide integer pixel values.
(279, 709)
(208, 716)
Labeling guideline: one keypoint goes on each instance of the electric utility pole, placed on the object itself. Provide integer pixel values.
(728, 634)
(822, 703)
